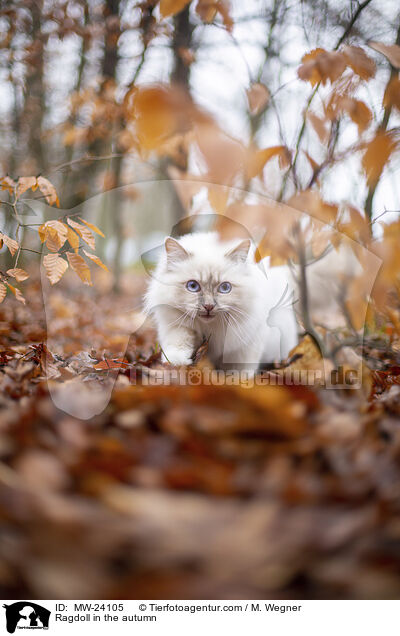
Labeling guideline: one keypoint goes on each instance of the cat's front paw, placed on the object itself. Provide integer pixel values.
(178, 357)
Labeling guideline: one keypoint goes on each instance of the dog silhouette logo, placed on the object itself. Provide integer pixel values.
(26, 615)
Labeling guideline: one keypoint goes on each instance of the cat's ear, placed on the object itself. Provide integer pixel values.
(175, 251)
(240, 252)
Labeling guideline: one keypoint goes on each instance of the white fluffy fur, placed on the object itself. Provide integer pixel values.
(252, 324)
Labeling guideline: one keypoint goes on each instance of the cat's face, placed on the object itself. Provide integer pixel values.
(208, 281)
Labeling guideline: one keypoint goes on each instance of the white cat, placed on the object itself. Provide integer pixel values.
(205, 289)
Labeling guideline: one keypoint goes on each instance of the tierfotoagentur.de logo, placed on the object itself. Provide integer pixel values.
(26, 615)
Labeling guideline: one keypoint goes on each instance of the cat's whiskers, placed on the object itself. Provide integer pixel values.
(244, 337)
(180, 319)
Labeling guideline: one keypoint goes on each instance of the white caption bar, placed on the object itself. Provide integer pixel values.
(280, 618)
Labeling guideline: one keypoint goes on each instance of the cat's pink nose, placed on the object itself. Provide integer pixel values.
(208, 308)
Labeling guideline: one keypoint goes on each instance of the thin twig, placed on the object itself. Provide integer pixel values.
(292, 167)
(382, 128)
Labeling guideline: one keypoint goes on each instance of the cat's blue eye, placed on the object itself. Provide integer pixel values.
(192, 286)
(224, 288)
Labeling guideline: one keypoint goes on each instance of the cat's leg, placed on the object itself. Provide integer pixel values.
(178, 342)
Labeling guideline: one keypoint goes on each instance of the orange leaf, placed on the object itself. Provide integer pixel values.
(223, 10)
(206, 10)
(258, 159)
(358, 112)
(3, 292)
(80, 266)
(96, 260)
(49, 191)
(92, 227)
(320, 66)
(258, 97)
(16, 293)
(26, 183)
(73, 238)
(104, 365)
(314, 165)
(55, 267)
(6, 183)
(392, 52)
(359, 62)
(319, 125)
(311, 202)
(18, 274)
(85, 234)
(392, 94)
(377, 154)
(218, 198)
(11, 244)
(54, 233)
(171, 7)
(160, 112)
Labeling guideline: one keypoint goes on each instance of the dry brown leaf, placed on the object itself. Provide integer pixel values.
(358, 112)
(73, 238)
(359, 62)
(16, 293)
(92, 227)
(258, 158)
(258, 97)
(6, 183)
(320, 66)
(392, 94)
(3, 292)
(11, 244)
(160, 112)
(377, 154)
(310, 201)
(55, 267)
(18, 273)
(85, 234)
(392, 52)
(54, 234)
(80, 266)
(224, 156)
(320, 126)
(223, 8)
(314, 165)
(218, 198)
(26, 183)
(49, 191)
(206, 10)
(96, 260)
(358, 227)
(172, 7)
